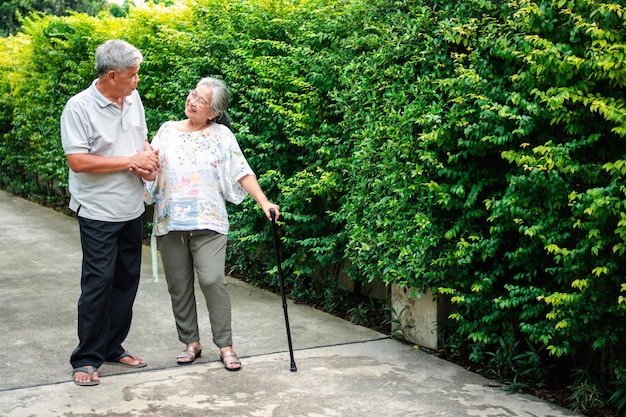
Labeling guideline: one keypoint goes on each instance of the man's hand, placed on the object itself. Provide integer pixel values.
(145, 174)
(145, 161)
(150, 160)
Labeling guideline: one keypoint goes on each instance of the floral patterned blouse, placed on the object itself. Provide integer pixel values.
(199, 172)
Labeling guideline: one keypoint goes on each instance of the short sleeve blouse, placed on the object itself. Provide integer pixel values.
(199, 172)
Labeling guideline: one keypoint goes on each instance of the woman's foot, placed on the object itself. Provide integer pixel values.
(190, 354)
(230, 359)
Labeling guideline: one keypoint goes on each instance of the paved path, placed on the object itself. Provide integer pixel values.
(343, 369)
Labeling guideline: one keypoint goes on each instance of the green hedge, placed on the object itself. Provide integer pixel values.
(475, 148)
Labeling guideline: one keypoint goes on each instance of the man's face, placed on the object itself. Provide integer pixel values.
(126, 81)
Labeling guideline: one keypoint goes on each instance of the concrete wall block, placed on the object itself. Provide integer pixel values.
(417, 317)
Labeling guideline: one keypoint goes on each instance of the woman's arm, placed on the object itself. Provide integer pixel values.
(251, 185)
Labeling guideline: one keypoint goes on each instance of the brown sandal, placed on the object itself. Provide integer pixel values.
(189, 355)
(230, 358)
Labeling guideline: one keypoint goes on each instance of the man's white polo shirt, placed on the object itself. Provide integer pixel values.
(91, 123)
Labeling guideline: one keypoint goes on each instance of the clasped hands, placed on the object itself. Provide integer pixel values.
(145, 164)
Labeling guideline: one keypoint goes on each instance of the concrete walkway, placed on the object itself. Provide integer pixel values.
(343, 369)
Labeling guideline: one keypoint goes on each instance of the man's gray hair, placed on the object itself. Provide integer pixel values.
(116, 55)
(219, 94)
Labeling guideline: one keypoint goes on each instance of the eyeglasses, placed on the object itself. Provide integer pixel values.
(193, 96)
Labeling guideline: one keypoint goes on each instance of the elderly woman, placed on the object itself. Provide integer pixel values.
(201, 166)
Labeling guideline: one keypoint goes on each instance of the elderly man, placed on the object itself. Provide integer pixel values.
(104, 136)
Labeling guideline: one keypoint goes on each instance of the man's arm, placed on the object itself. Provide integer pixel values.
(146, 160)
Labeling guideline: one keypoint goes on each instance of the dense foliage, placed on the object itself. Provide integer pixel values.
(12, 10)
(475, 148)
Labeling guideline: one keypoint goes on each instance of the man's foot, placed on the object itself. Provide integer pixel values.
(230, 359)
(130, 361)
(86, 376)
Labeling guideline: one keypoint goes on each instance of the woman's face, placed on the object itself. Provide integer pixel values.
(198, 104)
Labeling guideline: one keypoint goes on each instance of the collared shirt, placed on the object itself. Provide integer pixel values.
(199, 172)
(93, 124)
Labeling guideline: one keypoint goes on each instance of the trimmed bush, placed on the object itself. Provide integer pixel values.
(474, 148)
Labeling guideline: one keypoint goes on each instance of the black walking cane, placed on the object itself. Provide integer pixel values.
(282, 288)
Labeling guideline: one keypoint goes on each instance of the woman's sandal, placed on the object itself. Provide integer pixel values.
(230, 358)
(189, 355)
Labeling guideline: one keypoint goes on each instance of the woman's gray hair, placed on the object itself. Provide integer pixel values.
(116, 55)
(219, 94)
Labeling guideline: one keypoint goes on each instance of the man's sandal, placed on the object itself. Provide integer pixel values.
(89, 370)
(230, 360)
(189, 355)
(140, 363)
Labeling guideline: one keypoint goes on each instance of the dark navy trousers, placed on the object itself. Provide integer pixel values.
(110, 277)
